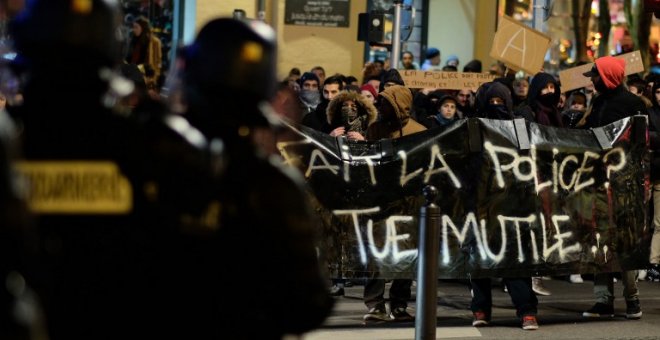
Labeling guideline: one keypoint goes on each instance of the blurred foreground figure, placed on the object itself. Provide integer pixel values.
(122, 204)
(271, 278)
(21, 317)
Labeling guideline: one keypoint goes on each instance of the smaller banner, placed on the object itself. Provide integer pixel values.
(445, 80)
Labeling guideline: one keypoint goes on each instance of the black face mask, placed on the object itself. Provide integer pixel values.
(548, 99)
(600, 86)
(498, 111)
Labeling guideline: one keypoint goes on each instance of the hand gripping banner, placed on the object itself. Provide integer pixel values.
(517, 198)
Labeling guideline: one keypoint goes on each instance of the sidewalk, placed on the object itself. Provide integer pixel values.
(560, 316)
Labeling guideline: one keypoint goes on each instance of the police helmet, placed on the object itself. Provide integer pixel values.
(64, 29)
(232, 58)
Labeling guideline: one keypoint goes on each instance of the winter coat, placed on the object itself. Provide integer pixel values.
(612, 105)
(366, 112)
(613, 102)
(535, 111)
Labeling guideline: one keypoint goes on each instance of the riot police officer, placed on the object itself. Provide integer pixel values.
(124, 208)
(266, 235)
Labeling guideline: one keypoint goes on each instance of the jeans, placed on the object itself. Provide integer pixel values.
(604, 286)
(374, 289)
(520, 290)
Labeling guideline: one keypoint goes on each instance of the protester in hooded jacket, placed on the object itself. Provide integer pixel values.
(494, 101)
(350, 114)
(394, 107)
(613, 101)
(541, 103)
(394, 121)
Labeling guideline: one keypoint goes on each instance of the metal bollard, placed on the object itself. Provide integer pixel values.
(427, 266)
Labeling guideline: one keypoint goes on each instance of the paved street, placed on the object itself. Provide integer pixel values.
(560, 316)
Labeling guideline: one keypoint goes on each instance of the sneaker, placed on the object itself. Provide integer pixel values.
(576, 278)
(480, 319)
(600, 310)
(529, 323)
(633, 310)
(337, 290)
(377, 313)
(642, 275)
(400, 314)
(538, 288)
(653, 273)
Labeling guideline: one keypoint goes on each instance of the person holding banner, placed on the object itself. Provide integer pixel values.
(494, 102)
(613, 102)
(394, 107)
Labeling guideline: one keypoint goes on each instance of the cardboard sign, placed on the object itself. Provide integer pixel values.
(573, 78)
(519, 45)
(445, 80)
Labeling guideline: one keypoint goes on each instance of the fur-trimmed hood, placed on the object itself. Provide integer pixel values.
(365, 108)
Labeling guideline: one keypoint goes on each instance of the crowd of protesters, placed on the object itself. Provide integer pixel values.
(178, 241)
(337, 108)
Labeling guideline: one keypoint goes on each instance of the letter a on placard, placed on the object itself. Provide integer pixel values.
(519, 46)
(510, 44)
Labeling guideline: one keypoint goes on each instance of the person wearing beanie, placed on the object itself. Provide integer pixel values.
(369, 92)
(432, 62)
(452, 61)
(310, 96)
(613, 102)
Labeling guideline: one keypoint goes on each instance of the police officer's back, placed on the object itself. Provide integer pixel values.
(118, 203)
(270, 276)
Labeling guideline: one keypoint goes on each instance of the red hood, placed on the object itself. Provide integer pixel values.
(611, 70)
